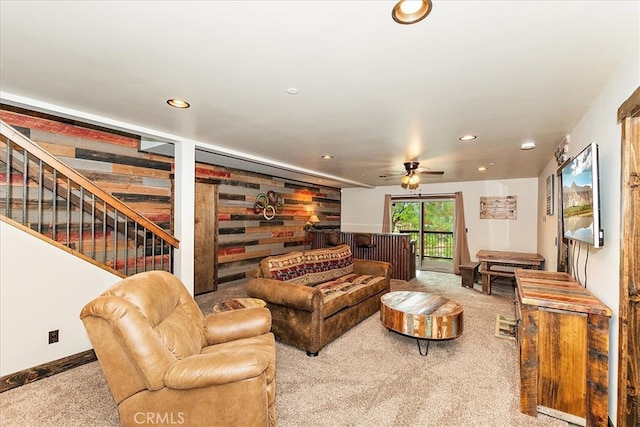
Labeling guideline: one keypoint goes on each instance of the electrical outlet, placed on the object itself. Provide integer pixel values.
(53, 336)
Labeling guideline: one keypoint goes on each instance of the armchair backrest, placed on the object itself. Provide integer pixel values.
(140, 327)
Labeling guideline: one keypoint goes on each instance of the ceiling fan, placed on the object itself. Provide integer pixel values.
(410, 178)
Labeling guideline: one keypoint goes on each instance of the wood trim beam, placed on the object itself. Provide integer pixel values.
(628, 406)
(39, 372)
(630, 107)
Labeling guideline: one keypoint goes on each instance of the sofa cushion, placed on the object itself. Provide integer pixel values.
(349, 290)
(286, 268)
(323, 265)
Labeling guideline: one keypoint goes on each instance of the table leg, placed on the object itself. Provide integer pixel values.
(486, 283)
(426, 351)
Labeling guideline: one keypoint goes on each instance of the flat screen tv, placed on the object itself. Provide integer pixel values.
(581, 198)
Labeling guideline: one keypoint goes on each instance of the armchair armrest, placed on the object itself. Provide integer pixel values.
(374, 268)
(203, 370)
(236, 324)
(287, 294)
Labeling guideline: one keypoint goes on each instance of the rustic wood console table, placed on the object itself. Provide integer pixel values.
(563, 343)
(504, 263)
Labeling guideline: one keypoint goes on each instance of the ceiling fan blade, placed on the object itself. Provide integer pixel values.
(431, 172)
(391, 174)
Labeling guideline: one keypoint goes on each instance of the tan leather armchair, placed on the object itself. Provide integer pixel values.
(167, 364)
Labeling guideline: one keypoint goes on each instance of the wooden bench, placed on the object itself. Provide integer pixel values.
(496, 271)
(470, 273)
(504, 263)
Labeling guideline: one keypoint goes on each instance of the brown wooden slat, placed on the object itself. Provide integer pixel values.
(391, 248)
(597, 372)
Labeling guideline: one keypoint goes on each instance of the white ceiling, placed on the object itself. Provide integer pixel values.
(372, 93)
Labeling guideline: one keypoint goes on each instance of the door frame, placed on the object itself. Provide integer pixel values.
(628, 407)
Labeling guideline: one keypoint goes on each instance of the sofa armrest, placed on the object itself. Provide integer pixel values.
(237, 324)
(374, 268)
(203, 370)
(286, 294)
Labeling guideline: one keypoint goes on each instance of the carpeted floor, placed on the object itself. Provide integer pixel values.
(367, 377)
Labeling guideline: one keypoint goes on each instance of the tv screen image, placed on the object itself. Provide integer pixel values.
(580, 197)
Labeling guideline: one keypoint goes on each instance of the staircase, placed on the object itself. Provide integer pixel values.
(45, 196)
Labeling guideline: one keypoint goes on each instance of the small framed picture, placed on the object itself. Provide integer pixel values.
(550, 195)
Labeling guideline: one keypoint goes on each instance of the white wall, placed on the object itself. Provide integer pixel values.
(599, 125)
(33, 301)
(362, 210)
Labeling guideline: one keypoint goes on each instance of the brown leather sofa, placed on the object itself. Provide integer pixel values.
(167, 364)
(317, 295)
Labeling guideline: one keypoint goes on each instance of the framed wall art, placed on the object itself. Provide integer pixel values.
(550, 195)
(498, 207)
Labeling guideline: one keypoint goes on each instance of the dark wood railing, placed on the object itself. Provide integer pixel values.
(45, 195)
(436, 244)
(396, 249)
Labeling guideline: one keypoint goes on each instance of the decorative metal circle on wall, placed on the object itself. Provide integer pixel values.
(268, 204)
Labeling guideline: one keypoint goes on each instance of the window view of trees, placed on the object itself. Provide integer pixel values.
(438, 215)
(437, 232)
(405, 216)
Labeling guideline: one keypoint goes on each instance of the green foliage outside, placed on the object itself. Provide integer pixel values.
(438, 217)
(405, 216)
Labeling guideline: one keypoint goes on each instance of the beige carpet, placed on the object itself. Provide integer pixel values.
(367, 377)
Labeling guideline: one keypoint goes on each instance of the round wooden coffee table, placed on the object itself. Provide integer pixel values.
(238, 303)
(421, 315)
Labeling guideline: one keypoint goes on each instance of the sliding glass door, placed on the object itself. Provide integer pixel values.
(430, 221)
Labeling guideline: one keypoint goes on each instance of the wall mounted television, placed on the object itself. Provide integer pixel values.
(581, 198)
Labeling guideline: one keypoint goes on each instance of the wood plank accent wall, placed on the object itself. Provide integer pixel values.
(144, 182)
(110, 159)
(245, 238)
(395, 249)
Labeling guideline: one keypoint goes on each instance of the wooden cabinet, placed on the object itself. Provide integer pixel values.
(563, 348)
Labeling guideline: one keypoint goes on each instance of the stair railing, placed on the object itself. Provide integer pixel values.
(42, 193)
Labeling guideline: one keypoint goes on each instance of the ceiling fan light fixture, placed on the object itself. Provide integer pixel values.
(410, 180)
(411, 11)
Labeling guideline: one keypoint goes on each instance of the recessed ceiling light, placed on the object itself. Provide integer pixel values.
(467, 138)
(178, 103)
(292, 91)
(528, 145)
(411, 11)
(327, 157)
(482, 168)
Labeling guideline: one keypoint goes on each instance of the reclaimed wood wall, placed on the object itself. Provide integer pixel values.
(109, 159)
(246, 237)
(144, 182)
